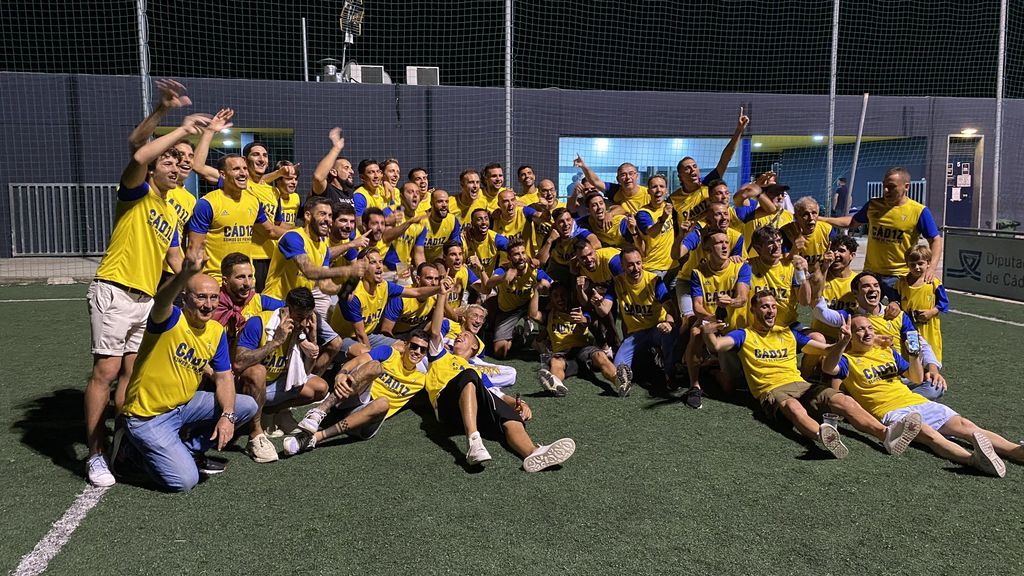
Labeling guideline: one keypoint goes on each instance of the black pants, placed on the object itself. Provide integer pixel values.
(491, 412)
(261, 269)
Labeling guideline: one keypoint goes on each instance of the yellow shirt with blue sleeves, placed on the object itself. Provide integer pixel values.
(227, 223)
(892, 230)
(169, 367)
(254, 337)
(364, 306)
(640, 304)
(145, 228)
(396, 383)
(769, 359)
(285, 274)
(873, 379)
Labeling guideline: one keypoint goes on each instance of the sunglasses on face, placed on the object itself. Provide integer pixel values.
(414, 347)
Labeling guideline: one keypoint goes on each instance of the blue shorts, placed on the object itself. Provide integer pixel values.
(933, 414)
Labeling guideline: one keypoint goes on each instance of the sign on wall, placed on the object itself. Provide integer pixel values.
(991, 265)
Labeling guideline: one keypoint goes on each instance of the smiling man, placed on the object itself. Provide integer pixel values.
(169, 423)
(768, 354)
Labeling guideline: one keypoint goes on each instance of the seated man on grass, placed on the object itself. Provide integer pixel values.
(768, 355)
(871, 374)
(470, 403)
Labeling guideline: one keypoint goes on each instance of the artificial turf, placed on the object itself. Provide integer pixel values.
(654, 487)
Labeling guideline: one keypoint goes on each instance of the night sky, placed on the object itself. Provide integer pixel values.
(915, 47)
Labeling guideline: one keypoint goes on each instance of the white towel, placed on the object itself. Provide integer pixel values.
(299, 364)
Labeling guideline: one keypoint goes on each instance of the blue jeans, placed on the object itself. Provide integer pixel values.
(645, 339)
(166, 453)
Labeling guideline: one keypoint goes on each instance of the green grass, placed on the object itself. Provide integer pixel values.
(654, 488)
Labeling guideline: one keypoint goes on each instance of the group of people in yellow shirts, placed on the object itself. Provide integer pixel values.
(210, 314)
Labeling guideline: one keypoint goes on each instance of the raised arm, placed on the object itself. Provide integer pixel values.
(730, 148)
(830, 361)
(138, 167)
(323, 169)
(163, 301)
(437, 316)
(589, 174)
(221, 121)
(246, 357)
(172, 95)
(713, 340)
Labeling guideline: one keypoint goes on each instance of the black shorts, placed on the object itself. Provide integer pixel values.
(491, 412)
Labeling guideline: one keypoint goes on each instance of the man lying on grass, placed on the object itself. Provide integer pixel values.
(768, 355)
(871, 374)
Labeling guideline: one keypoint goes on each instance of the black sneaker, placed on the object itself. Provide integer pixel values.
(209, 466)
(695, 398)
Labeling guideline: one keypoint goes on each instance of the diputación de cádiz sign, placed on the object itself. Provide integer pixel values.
(985, 263)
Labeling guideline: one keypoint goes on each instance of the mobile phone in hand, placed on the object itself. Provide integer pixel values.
(913, 342)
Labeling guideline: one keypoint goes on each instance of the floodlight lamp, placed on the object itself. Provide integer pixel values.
(969, 131)
(818, 138)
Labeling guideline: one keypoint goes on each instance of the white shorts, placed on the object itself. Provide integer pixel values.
(933, 414)
(354, 404)
(117, 319)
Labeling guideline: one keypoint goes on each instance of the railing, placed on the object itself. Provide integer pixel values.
(61, 219)
(918, 190)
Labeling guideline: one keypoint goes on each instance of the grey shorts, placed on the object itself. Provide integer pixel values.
(505, 323)
(573, 358)
(934, 414)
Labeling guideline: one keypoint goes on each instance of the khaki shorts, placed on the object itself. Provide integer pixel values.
(814, 397)
(117, 319)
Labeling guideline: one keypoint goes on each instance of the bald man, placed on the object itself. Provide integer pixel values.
(440, 228)
(180, 346)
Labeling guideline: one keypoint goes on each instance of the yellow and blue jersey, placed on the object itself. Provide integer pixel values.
(434, 235)
(892, 230)
(289, 209)
(769, 359)
(363, 306)
(838, 295)
(696, 255)
(517, 294)
(409, 314)
(169, 367)
(640, 304)
(461, 281)
(401, 248)
(616, 195)
(818, 242)
(617, 235)
(228, 225)
(271, 204)
(658, 240)
(925, 297)
(285, 274)
(487, 250)
(565, 334)
(443, 368)
(145, 228)
(609, 265)
(396, 383)
(779, 280)
(254, 337)
(710, 285)
(873, 379)
(363, 198)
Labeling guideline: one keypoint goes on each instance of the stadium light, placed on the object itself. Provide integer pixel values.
(226, 131)
(818, 138)
(601, 144)
(969, 131)
(229, 142)
(757, 144)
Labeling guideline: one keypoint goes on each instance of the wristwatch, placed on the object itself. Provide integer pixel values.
(229, 415)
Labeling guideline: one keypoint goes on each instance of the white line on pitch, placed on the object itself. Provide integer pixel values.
(41, 300)
(985, 297)
(989, 318)
(36, 561)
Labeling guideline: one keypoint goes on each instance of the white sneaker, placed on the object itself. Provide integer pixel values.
(902, 433)
(299, 441)
(98, 471)
(261, 450)
(829, 438)
(551, 455)
(985, 458)
(550, 383)
(283, 423)
(311, 422)
(477, 453)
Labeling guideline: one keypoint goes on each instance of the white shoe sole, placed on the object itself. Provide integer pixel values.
(985, 457)
(549, 382)
(559, 451)
(911, 426)
(830, 439)
(291, 445)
